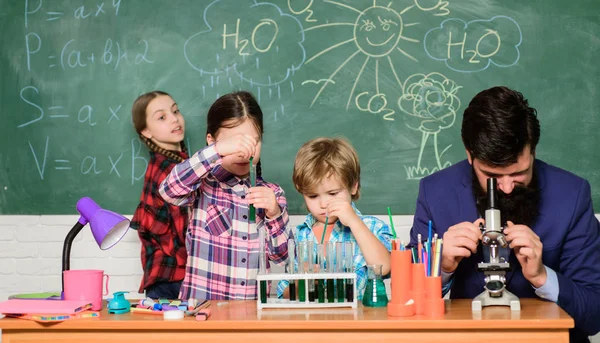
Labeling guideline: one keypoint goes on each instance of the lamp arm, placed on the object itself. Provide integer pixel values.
(66, 255)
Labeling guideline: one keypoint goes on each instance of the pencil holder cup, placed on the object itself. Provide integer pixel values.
(418, 287)
(434, 303)
(402, 304)
(86, 285)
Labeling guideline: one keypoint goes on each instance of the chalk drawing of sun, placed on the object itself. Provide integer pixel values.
(378, 35)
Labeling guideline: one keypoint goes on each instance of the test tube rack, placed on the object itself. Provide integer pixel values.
(286, 303)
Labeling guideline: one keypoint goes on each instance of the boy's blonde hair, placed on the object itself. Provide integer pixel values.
(322, 157)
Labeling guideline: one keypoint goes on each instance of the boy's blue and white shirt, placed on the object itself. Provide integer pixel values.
(344, 234)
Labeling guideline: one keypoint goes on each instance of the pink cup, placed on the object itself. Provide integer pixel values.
(85, 284)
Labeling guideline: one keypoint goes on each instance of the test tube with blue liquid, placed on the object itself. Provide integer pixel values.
(262, 264)
(330, 268)
(349, 266)
(311, 268)
(262, 237)
(291, 268)
(319, 266)
(339, 268)
(302, 268)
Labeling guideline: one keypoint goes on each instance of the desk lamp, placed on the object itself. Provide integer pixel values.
(107, 227)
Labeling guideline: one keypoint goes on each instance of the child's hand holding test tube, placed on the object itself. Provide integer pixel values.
(262, 197)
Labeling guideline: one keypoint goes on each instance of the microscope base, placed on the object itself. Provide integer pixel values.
(507, 299)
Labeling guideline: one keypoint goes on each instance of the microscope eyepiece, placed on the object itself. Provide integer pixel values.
(491, 192)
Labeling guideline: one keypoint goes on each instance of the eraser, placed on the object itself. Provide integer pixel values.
(203, 314)
(173, 315)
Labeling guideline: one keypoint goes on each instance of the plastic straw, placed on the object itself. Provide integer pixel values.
(324, 229)
(391, 223)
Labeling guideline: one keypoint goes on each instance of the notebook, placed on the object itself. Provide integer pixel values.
(43, 295)
(16, 306)
(55, 317)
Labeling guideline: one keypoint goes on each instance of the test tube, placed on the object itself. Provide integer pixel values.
(251, 209)
(262, 257)
(329, 265)
(262, 263)
(339, 268)
(292, 267)
(311, 269)
(302, 268)
(349, 265)
(320, 266)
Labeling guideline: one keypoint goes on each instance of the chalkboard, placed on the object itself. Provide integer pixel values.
(392, 76)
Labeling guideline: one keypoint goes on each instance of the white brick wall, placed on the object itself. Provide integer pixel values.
(31, 250)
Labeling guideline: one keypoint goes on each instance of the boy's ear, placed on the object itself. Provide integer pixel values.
(354, 189)
(209, 139)
(146, 133)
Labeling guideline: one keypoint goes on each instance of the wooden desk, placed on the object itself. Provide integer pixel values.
(238, 321)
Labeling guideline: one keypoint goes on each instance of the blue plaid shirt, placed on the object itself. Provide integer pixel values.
(343, 233)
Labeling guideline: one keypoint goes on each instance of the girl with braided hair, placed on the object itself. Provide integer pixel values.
(160, 225)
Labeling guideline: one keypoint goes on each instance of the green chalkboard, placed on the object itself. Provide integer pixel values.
(392, 76)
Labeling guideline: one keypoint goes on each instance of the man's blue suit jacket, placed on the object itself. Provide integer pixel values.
(566, 225)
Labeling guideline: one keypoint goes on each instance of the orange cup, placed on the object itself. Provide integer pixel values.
(401, 276)
(401, 310)
(434, 307)
(434, 303)
(401, 304)
(433, 287)
(418, 287)
(419, 299)
(418, 277)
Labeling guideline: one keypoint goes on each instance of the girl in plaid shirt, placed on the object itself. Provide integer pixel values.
(222, 247)
(160, 226)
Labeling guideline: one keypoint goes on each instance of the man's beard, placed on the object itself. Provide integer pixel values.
(521, 206)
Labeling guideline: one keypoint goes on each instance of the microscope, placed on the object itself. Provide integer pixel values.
(496, 266)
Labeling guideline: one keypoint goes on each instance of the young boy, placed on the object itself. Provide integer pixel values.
(327, 174)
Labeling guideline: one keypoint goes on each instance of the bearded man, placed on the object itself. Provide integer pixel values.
(546, 212)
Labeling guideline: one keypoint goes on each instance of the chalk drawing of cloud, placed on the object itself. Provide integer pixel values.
(252, 40)
(476, 45)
